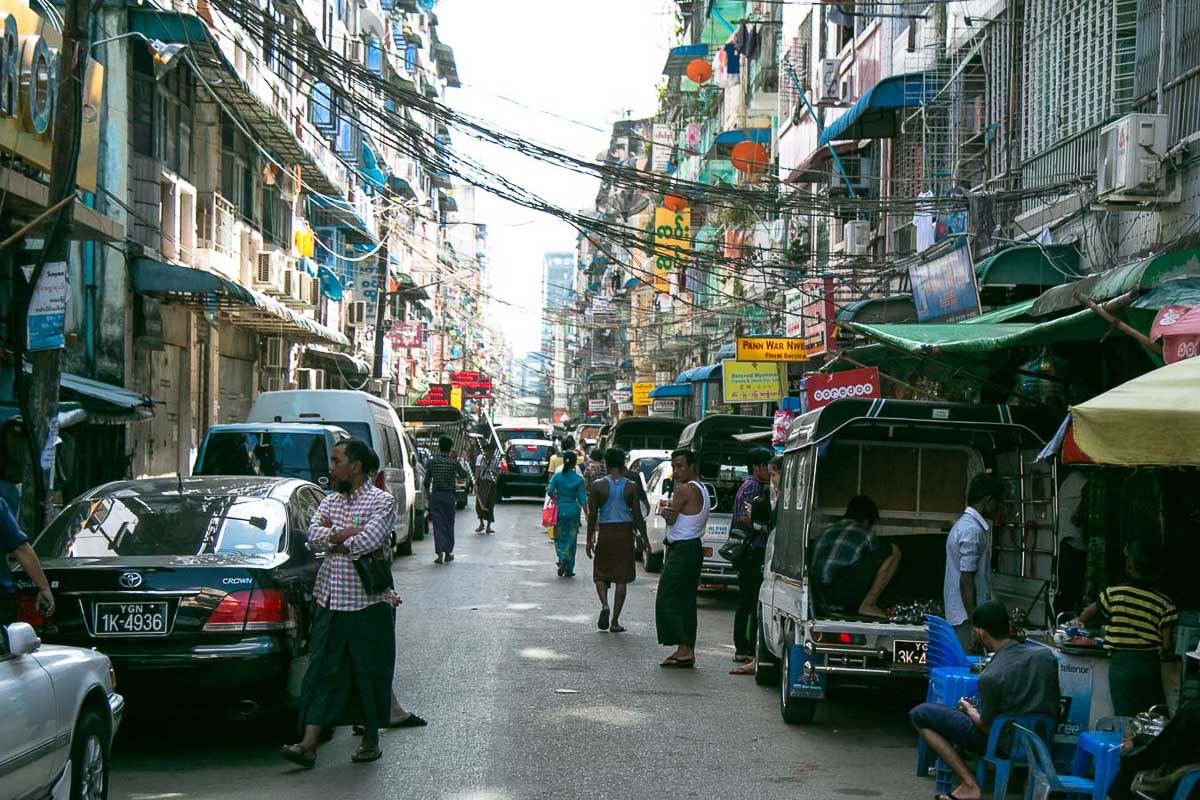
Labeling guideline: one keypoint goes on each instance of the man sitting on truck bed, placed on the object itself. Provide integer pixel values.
(1021, 678)
(852, 565)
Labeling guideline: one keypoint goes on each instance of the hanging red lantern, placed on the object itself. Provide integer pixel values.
(674, 202)
(699, 71)
(749, 157)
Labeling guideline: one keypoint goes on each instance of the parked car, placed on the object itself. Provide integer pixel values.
(61, 712)
(273, 449)
(658, 490)
(721, 461)
(199, 589)
(915, 460)
(525, 468)
(643, 463)
(510, 432)
(420, 502)
(364, 417)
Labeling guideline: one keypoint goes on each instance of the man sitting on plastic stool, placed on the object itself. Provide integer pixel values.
(1020, 679)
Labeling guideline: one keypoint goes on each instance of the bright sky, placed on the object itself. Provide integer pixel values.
(590, 62)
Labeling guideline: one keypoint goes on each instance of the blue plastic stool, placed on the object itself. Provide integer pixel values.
(1186, 784)
(946, 686)
(1104, 748)
(1044, 726)
(1043, 779)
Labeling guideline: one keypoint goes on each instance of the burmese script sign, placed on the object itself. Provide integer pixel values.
(777, 349)
(672, 240)
(29, 59)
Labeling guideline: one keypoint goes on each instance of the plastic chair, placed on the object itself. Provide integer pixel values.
(944, 648)
(1186, 784)
(1103, 748)
(1043, 779)
(1002, 765)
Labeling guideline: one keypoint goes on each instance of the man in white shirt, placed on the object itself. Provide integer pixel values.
(969, 556)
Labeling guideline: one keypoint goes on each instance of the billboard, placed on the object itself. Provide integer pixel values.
(770, 348)
(743, 382)
(822, 388)
(944, 288)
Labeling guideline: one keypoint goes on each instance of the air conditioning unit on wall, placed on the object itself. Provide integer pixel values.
(356, 313)
(829, 88)
(1131, 160)
(269, 271)
(858, 237)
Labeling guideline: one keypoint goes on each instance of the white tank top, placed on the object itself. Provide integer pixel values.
(691, 526)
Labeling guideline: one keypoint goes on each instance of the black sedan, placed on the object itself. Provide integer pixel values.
(199, 589)
(525, 468)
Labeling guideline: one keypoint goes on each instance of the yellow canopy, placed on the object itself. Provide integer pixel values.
(1152, 420)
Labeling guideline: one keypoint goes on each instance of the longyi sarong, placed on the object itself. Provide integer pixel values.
(352, 657)
(441, 514)
(613, 561)
(485, 499)
(675, 606)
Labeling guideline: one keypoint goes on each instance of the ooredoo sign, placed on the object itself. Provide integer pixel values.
(821, 389)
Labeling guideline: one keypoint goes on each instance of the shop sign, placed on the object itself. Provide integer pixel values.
(774, 349)
(48, 308)
(641, 393)
(672, 241)
(597, 406)
(624, 406)
(749, 382)
(29, 64)
(456, 397)
(944, 288)
(817, 316)
(822, 388)
(663, 407)
(664, 144)
(793, 300)
(407, 335)
(1179, 328)
(621, 396)
(474, 385)
(438, 394)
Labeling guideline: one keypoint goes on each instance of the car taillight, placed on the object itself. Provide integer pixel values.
(251, 610)
(531, 449)
(504, 466)
(28, 611)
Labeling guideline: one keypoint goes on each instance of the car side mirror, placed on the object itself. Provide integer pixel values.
(668, 486)
(22, 640)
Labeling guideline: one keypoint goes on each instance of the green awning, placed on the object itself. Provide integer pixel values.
(1029, 265)
(1183, 292)
(1141, 275)
(982, 338)
(1001, 314)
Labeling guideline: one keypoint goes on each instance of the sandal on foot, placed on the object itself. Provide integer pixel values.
(602, 623)
(299, 756)
(678, 663)
(615, 628)
(742, 658)
(411, 721)
(449, 557)
(365, 755)
(744, 669)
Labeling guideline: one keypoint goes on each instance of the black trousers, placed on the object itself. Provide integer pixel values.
(745, 619)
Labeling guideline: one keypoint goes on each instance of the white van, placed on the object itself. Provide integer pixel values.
(365, 417)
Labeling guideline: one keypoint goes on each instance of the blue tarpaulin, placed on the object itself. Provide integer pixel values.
(671, 390)
(331, 285)
(874, 115)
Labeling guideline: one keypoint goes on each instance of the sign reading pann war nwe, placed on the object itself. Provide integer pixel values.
(29, 64)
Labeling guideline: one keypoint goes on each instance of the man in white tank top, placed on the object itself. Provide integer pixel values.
(675, 606)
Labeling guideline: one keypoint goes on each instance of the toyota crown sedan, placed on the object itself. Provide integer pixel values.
(198, 589)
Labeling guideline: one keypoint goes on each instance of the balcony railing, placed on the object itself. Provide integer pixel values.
(215, 217)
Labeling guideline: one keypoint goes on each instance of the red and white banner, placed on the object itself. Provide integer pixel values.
(817, 316)
(1179, 329)
(822, 388)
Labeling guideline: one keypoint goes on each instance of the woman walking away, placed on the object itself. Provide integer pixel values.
(439, 485)
(567, 445)
(613, 515)
(487, 465)
(594, 469)
(569, 492)
(1140, 619)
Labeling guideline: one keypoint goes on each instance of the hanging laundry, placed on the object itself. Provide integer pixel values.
(923, 223)
(733, 63)
(748, 41)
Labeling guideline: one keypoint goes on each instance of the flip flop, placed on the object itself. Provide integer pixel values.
(411, 721)
(744, 669)
(678, 663)
(602, 623)
(615, 628)
(950, 796)
(742, 659)
(298, 755)
(365, 755)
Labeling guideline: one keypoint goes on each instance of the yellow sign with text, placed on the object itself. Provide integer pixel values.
(750, 382)
(641, 393)
(672, 241)
(775, 349)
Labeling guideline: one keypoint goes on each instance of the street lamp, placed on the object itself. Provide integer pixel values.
(165, 55)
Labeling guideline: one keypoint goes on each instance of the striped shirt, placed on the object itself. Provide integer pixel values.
(1137, 617)
(441, 474)
(338, 586)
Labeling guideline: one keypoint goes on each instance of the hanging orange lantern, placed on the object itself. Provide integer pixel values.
(749, 157)
(699, 71)
(674, 202)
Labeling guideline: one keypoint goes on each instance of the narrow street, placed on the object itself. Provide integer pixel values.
(526, 699)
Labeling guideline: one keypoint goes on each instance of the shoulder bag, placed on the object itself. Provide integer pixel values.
(374, 571)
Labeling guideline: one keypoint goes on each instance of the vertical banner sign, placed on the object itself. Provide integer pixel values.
(944, 288)
(793, 300)
(672, 240)
(664, 144)
(641, 393)
(818, 316)
(48, 308)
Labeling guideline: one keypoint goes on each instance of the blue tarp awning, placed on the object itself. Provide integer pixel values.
(331, 284)
(685, 376)
(874, 115)
(679, 57)
(670, 390)
(632, 282)
(245, 307)
(722, 146)
(375, 177)
(709, 373)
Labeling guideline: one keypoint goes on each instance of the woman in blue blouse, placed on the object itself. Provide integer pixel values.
(567, 488)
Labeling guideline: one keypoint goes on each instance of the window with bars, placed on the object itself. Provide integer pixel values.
(1181, 76)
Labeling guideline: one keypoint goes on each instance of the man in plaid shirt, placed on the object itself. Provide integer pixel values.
(352, 641)
(852, 565)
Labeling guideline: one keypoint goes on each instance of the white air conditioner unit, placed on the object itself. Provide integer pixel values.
(356, 313)
(828, 89)
(858, 237)
(308, 289)
(293, 283)
(269, 271)
(310, 379)
(276, 353)
(1131, 157)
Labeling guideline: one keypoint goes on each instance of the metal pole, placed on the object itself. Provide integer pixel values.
(1162, 54)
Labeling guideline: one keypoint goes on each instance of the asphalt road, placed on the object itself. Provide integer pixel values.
(526, 699)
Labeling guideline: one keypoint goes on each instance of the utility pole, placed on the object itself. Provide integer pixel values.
(381, 275)
(40, 402)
